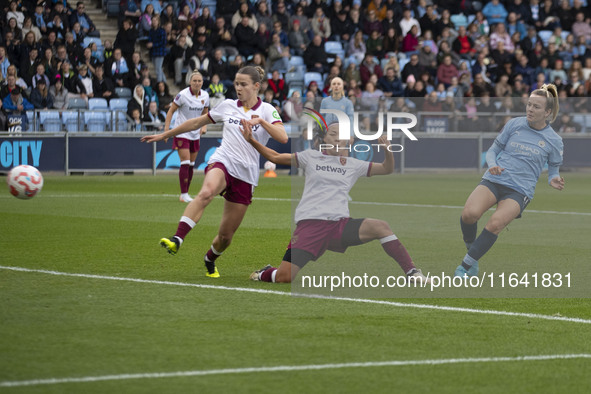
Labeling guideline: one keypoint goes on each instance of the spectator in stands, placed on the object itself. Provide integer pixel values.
(262, 14)
(58, 26)
(481, 87)
(29, 27)
(164, 97)
(446, 71)
(302, 19)
(495, 12)
(59, 93)
(281, 15)
(315, 57)
(154, 119)
(8, 86)
(14, 12)
(368, 67)
(357, 47)
(278, 86)
(321, 24)
(135, 69)
(41, 98)
(205, 19)
(548, 15)
(184, 19)
(16, 32)
(278, 55)
(136, 120)
(117, 68)
(216, 90)
(90, 61)
(313, 87)
(445, 49)
(157, 45)
(28, 67)
(341, 27)
(222, 38)
(193, 8)
(200, 61)
(293, 108)
(428, 59)
(429, 21)
(245, 38)
(16, 104)
(86, 23)
(581, 28)
(565, 124)
(102, 86)
(11, 70)
(463, 44)
(126, 39)
(375, 44)
(132, 11)
(503, 88)
(390, 84)
(372, 23)
(138, 102)
(4, 62)
(558, 72)
(407, 22)
(39, 74)
(263, 37)
(39, 19)
(298, 40)
(244, 12)
(180, 54)
(227, 8)
(413, 68)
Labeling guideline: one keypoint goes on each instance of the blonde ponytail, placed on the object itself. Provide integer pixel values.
(551, 93)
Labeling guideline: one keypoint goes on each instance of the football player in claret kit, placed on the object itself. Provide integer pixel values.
(233, 170)
(190, 103)
(322, 216)
(515, 162)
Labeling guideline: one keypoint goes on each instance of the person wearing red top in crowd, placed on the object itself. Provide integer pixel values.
(463, 44)
(446, 71)
(278, 86)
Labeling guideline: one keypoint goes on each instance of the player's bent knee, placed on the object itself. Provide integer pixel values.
(205, 195)
(470, 215)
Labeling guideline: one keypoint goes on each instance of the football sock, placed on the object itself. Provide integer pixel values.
(468, 231)
(398, 252)
(268, 275)
(185, 225)
(483, 243)
(191, 170)
(212, 255)
(184, 176)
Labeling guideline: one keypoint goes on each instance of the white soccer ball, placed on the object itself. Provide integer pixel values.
(269, 166)
(24, 182)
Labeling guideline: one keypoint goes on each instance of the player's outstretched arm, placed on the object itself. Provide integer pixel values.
(191, 124)
(267, 153)
(387, 166)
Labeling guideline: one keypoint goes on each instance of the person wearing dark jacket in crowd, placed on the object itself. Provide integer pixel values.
(126, 38)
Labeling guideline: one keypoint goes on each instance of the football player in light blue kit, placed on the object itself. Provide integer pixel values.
(515, 161)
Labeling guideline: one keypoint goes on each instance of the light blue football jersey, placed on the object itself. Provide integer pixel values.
(523, 153)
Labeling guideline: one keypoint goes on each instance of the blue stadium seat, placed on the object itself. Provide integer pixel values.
(123, 92)
(296, 61)
(118, 103)
(313, 76)
(50, 120)
(294, 77)
(119, 120)
(96, 121)
(71, 121)
(333, 47)
(545, 36)
(77, 103)
(97, 103)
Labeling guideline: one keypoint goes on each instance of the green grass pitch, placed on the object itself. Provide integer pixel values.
(166, 328)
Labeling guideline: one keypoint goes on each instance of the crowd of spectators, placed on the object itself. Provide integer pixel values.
(459, 57)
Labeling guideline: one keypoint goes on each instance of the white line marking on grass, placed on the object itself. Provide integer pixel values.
(389, 204)
(315, 296)
(290, 368)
